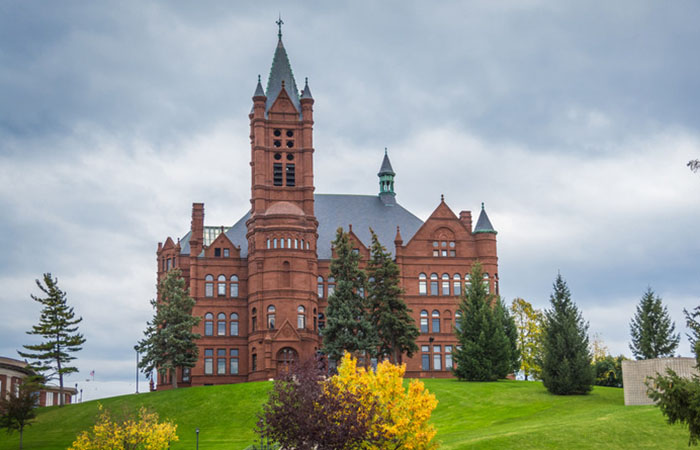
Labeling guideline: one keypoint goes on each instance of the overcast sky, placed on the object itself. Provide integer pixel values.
(572, 121)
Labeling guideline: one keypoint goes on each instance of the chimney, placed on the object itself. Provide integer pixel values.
(466, 218)
(197, 229)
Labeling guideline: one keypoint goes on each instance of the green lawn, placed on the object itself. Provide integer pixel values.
(507, 414)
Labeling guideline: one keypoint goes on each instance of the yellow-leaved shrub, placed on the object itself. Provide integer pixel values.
(145, 433)
(401, 415)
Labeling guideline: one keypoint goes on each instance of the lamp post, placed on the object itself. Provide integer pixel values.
(197, 431)
(137, 368)
(76, 392)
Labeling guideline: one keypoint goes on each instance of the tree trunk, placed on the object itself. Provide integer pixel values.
(60, 383)
(173, 375)
(21, 433)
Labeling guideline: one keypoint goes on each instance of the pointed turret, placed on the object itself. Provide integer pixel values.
(259, 92)
(306, 93)
(281, 77)
(483, 225)
(386, 181)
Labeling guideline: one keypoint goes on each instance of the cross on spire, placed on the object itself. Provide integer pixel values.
(279, 23)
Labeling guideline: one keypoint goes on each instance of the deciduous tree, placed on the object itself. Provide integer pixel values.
(17, 408)
(348, 326)
(59, 328)
(170, 342)
(528, 321)
(401, 415)
(484, 351)
(566, 364)
(389, 314)
(652, 330)
(511, 331)
(144, 432)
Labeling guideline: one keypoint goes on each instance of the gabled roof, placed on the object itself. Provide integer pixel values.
(333, 211)
(280, 71)
(483, 225)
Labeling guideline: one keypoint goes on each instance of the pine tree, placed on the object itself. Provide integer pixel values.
(348, 327)
(511, 331)
(484, 351)
(18, 409)
(170, 342)
(390, 316)
(59, 328)
(566, 364)
(693, 324)
(652, 330)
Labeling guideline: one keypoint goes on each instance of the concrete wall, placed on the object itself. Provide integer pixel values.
(635, 373)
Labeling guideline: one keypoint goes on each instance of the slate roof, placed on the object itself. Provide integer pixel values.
(386, 166)
(483, 225)
(280, 71)
(335, 210)
(306, 93)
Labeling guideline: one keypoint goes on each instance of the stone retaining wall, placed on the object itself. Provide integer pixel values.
(635, 373)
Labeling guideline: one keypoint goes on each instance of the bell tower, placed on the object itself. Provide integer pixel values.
(282, 229)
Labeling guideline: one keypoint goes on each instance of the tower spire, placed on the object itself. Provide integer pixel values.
(386, 181)
(279, 23)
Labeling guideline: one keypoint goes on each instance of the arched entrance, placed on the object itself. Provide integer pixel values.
(285, 358)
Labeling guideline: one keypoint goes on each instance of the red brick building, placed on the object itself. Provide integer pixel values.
(261, 286)
(13, 372)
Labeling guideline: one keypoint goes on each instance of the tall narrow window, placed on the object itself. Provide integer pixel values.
(221, 286)
(233, 369)
(301, 317)
(290, 175)
(321, 321)
(433, 284)
(186, 373)
(209, 361)
(209, 286)
(233, 324)
(447, 321)
(277, 174)
(422, 284)
(221, 324)
(458, 320)
(331, 286)
(254, 361)
(486, 282)
(234, 286)
(319, 287)
(457, 285)
(425, 357)
(436, 321)
(254, 319)
(286, 274)
(221, 361)
(445, 284)
(448, 357)
(437, 357)
(209, 324)
(315, 317)
(271, 317)
(424, 321)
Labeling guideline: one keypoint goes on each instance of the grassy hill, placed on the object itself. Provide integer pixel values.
(507, 414)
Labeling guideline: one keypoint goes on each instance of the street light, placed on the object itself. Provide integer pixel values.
(137, 368)
(197, 431)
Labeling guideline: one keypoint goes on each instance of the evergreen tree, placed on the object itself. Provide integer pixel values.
(484, 354)
(389, 314)
(511, 332)
(17, 409)
(566, 364)
(691, 321)
(59, 328)
(348, 327)
(652, 330)
(170, 342)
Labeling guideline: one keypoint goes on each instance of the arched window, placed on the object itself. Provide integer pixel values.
(302, 244)
(301, 317)
(422, 284)
(296, 244)
(424, 321)
(289, 242)
(285, 358)
(331, 286)
(221, 324)
(458, 320)
(457, 285)
(254, 361)
(433, 284)
(234, 324)
(271, 317)
(274, 243)
(209, 324)
(234, 286)
(253, 319)
(307, 245)
(221, 286)
(445, 284)
(486, 282)
(319, 286)
(436, 321)
(447, 321)
(467, 281)
(268, 243)
(209, 286)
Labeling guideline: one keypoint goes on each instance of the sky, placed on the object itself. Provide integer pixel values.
(572, 121)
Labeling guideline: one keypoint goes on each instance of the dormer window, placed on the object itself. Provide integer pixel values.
(227, 253)
(217, 253)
